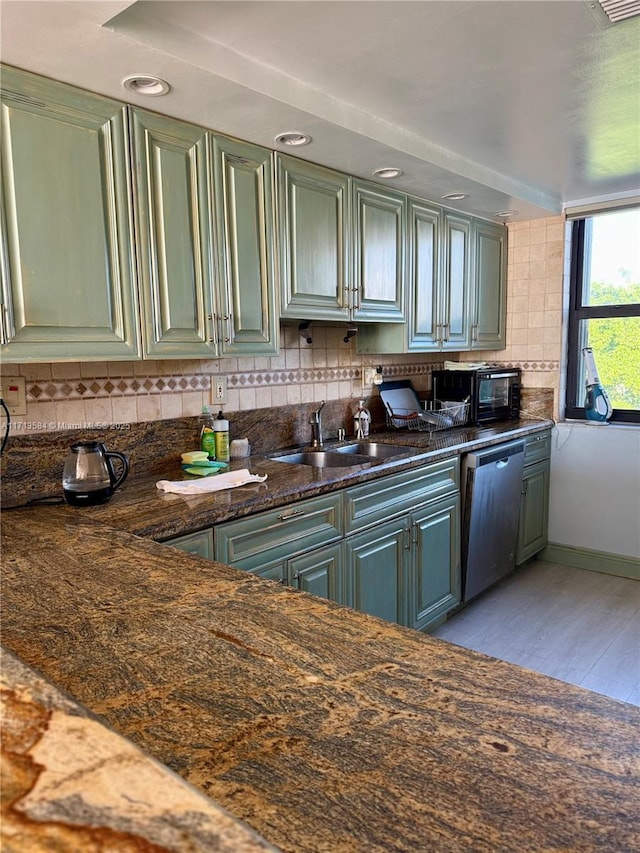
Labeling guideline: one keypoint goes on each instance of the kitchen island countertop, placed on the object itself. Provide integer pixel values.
(321, 728)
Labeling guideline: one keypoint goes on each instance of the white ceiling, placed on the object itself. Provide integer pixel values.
(525, 104)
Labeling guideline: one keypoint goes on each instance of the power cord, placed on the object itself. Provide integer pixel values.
(42, 499)
(7, 426)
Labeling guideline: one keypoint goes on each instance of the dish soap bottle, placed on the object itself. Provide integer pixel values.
(221, 431)
(361, 421)
(207, 433)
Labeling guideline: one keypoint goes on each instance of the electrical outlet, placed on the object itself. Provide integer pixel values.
(14, 393)
(371, 376)
(219, 389)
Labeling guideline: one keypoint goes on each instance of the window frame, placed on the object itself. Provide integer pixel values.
(579, 312)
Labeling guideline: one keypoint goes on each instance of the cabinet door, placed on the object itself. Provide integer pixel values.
(454, 313)
(489, 298)
(313, 218)
(534, 511)
(379, 246)
(200, 544)
(273, 572)
(320, 573)
(377, 564)
(245, 240)
(435, 579)
(174, 235)
(277, 534)
(66, 249)
(424, 276)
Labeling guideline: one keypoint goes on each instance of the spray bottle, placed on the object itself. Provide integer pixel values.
(597, 406)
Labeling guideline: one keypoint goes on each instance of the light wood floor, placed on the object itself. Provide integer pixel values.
(578, 626)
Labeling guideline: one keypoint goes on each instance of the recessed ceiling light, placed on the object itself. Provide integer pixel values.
(293, 137)
(146, 84)
(387, 172)
(505, 214)
(455, 196)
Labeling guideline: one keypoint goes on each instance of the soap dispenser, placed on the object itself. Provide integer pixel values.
(361, 421)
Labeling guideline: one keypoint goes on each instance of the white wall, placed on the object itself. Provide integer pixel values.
(595, 487)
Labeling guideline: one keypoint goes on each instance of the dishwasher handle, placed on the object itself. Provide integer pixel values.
(500, 454)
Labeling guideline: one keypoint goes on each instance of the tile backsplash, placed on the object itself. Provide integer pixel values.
(80, 395)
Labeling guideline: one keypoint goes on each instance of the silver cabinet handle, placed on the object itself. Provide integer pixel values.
(415, 533)
(212, 319)
(438, 335)
(445, 333)
(293, 514)
(407, 545)
(229, 319)
(356, 298)
(474, 331)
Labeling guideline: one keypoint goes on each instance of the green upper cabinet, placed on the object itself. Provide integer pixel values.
(424, 297)
(66, 248)
(439, 286)
(488, 307)
(454, 332)
(245, 237)
(379, 227)
(313, 222)
(205, 235)
(173, 229)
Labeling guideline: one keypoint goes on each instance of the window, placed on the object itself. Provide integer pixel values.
(604, 310)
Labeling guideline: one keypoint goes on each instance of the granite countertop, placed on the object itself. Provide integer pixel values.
(69, 783)
(323, 729)
(320, 728)
(139, 507)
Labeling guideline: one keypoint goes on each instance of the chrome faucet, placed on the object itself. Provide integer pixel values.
(316, 426)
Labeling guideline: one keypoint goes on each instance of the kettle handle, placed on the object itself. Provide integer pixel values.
(116, 480)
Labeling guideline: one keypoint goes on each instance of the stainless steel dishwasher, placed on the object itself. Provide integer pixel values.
(492, 483)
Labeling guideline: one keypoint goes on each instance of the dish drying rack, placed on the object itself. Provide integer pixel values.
(440, 416)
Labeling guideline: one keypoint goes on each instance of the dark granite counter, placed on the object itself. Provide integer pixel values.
(139, 507)
(321, 728)
(69, 783)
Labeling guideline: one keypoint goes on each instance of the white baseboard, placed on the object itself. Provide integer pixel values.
(595, 561)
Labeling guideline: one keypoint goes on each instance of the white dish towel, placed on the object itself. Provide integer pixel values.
(216, 483)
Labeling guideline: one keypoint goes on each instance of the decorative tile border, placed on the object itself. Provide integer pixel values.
(86, 389)
(533, 366)
(130, 386)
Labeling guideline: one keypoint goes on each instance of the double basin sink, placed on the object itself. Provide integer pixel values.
(358, 453)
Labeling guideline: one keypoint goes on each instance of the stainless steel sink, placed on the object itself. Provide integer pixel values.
(358, 453)
(323, 458)
(372, 449)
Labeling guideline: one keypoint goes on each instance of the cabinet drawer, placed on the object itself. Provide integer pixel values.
(379, 500)
(537, 447)
(280, 533)
(200, 543)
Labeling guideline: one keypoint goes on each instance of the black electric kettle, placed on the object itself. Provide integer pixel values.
(88, 477)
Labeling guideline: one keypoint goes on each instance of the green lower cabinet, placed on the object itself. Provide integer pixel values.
(534, 511)
(320, 572)
(200, 544)
(273, 572)
(377, 562)
(435, 577)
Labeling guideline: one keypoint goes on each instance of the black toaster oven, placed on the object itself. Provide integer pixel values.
(493, 392)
